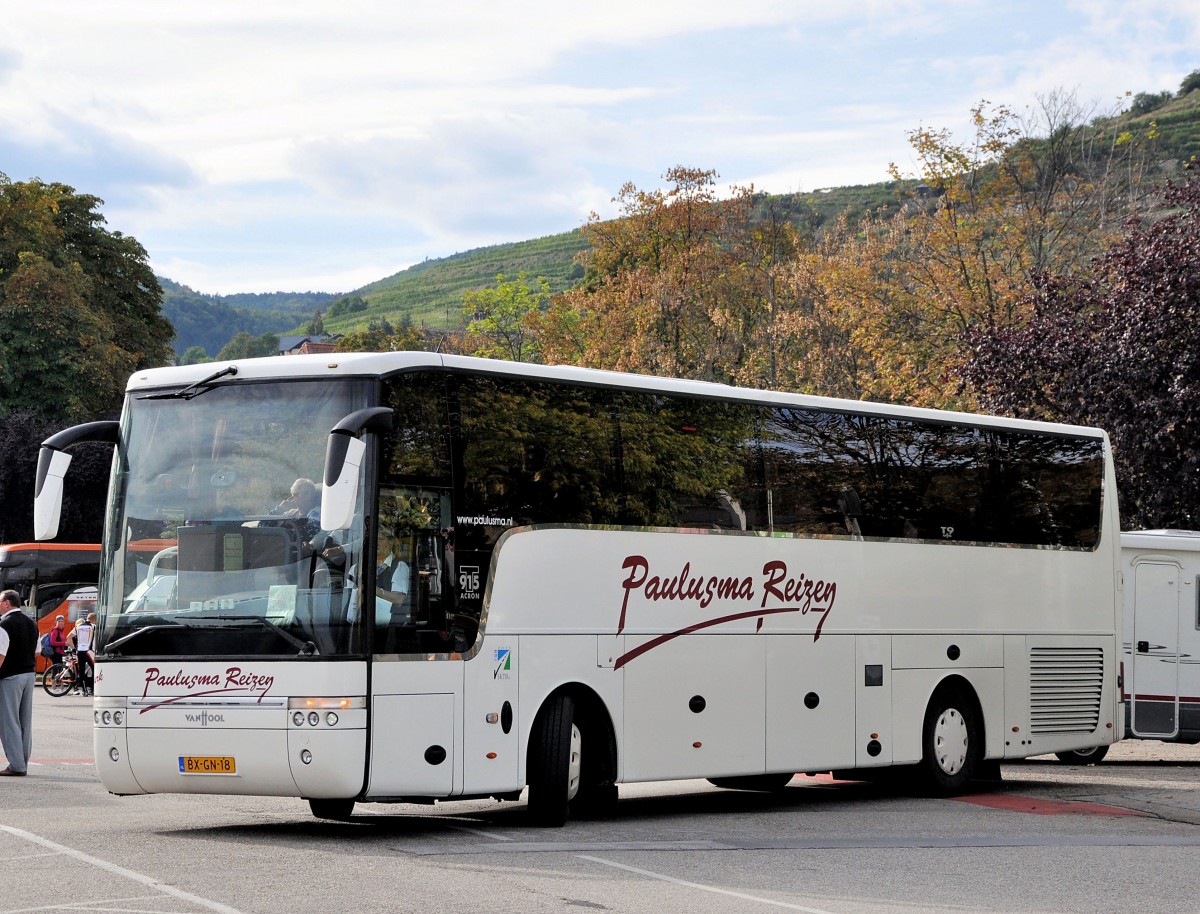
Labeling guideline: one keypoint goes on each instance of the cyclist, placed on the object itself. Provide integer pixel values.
(83, 636)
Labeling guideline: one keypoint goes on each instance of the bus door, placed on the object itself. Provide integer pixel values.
(1154, 681)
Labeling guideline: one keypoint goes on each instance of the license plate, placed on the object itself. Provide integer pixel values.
(207, 764)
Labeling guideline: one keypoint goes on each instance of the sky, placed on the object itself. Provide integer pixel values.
(297, 145)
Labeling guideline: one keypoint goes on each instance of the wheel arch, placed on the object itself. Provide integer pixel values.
(596, 727)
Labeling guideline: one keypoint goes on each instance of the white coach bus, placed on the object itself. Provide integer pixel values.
(564, 579)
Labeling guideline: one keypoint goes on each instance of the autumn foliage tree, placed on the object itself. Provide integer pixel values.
(1117, 347)
(1023, 195)
(680, 285)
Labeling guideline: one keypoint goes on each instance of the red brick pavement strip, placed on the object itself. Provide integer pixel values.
(1015, 803)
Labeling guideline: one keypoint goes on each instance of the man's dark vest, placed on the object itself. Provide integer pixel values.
(22, 639)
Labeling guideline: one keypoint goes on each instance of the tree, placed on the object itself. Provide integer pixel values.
(79, 305)
(85, 487)
(1190, 83)
(245, 346)
(347, 304)
(194, 355)
(381, 336)
(316, 326)
(680, 285)
(1145, 102)
(1118, 348)
(500, 320)
(1025, 195)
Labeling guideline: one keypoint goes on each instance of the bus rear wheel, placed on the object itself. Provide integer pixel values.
(951, 743)
(337, 810)
(1092, 756)
(555, 754)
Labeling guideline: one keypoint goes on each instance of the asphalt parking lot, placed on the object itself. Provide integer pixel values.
(1121, 836)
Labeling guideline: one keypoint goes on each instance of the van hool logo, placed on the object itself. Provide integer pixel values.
(232, 680)
(781, 592)
(204, 718)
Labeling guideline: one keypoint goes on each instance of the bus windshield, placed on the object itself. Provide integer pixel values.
(225, 482)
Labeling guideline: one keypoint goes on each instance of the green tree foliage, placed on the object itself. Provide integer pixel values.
(194, 356)
(1118, 347)
(84, 490)
(500, 320)
(347, 304)
(380, 336)
(1145, 102)
(1190, 83)
(79, 305)
(245, 346)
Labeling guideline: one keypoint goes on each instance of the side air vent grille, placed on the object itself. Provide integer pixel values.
(1066, 684)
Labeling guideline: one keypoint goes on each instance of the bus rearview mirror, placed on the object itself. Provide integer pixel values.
(338, 496)
(48, 495)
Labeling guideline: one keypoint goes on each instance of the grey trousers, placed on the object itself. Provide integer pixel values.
(16, 719)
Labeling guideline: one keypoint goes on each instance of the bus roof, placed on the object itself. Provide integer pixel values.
(379, 364)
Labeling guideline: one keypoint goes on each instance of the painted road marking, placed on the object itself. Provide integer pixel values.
(140, 878)
(703, 888)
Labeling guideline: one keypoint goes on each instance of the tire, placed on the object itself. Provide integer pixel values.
(1093, 756)
(56, 681)
(337, 810)
(764, 783)
(555, 754)
(951, 743)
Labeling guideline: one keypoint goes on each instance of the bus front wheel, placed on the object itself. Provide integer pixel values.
(337, 810)
(555, 752)
(951, 743)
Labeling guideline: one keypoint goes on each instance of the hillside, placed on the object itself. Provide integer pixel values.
(431, 293)
(210, 321)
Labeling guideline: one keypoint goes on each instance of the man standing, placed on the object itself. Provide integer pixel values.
(18, 642)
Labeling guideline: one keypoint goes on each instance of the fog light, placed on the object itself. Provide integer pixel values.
(96, 716)
(106, 717)
(114, 754)
(118, 717)
(305, 756)
(298, 718)
(314, 718)
(331, 719)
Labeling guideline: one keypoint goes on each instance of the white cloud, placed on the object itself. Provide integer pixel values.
(295, 143)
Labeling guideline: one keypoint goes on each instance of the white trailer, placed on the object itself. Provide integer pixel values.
(1161, 570)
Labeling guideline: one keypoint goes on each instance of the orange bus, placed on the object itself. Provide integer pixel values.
(53, 579)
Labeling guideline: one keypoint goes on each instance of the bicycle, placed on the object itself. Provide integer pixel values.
(63, 678)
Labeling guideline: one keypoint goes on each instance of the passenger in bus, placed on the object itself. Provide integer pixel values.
(391, 581)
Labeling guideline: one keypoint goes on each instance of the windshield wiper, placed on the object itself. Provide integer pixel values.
(109, 648)
(204, 385)
(304, 647)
